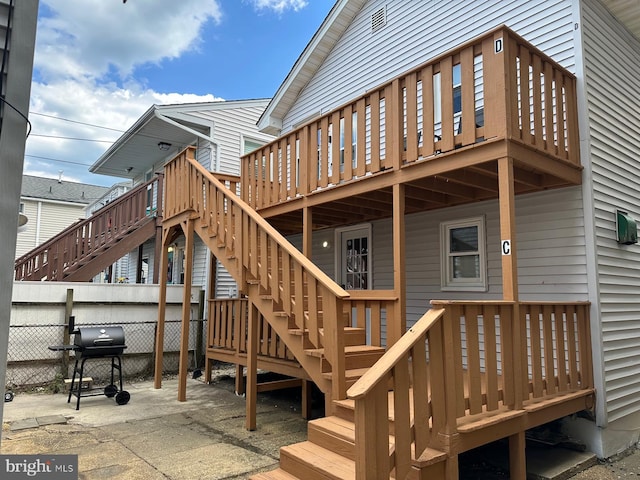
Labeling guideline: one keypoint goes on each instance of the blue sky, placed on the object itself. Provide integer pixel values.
(102, 63)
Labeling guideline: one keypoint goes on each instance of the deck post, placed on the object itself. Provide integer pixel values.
(517, 459)
(162, 302)
(186, 310)
(252, 368)
(399, 322)
(307, 231)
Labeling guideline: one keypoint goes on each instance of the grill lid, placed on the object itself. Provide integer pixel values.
(100, 340)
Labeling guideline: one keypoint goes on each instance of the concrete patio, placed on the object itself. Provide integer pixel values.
(156, 437)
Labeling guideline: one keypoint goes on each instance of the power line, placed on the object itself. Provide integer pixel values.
(70, 138)
(76, 121)
(58, 160)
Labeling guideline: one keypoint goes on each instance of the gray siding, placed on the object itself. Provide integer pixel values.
(612, 81)
(417, 31)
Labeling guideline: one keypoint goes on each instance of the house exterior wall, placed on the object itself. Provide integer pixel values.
(550, 247)
(229, 129)
(612, 80)
(46, 219)
(418, 31)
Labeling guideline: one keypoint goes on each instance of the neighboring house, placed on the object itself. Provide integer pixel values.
(51, 205)
(120, 241)
(221, 132)
(465, 170)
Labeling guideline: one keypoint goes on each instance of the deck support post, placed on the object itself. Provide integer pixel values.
(517, 457)
(162, 303)
(307, 231)
(510, 271)
(188, 230)
(240, 390)
(306, 399)
(252, 368)
(399, 325)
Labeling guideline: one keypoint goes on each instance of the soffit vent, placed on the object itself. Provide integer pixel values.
(378, 19)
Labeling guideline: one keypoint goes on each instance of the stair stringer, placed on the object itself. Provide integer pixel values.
(276, 318)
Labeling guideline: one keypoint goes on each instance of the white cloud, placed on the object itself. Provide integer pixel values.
(90, 37)
(86, 51)
(280, 5)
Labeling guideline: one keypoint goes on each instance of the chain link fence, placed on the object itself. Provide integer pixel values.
(31, 364)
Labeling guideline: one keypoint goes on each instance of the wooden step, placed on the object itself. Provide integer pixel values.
(352, 335)
(309, 461)
(356, 356)
(337, 434)
(277, 474)
(351, 376)
(333, 433)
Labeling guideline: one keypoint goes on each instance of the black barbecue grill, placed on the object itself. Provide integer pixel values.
(91, 343)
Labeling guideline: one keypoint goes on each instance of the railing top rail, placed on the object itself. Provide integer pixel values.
(399, 349)
(292, 251)
(46, 245)
(382, 295)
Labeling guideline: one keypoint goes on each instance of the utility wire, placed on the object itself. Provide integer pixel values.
(78, 122)
(71, 138)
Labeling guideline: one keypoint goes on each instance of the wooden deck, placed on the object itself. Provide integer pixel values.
(468, 372)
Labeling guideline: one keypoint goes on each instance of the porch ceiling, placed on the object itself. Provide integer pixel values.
(371, 198)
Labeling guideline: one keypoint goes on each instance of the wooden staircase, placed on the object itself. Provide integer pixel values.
(457, 379)
(330, 451)
(82, 250)
(306, 345)
(306, 309)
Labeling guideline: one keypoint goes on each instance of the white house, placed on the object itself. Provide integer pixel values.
(51, 205)
(221, 132)
(567, 238)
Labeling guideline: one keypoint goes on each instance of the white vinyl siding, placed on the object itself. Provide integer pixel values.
(418, 31)
(46, 219)
(229, 127)
(612, 81)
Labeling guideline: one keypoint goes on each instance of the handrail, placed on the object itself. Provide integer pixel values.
(257, 254)
(309, 266)
(404, 363)
(378, 373)
(77, 241)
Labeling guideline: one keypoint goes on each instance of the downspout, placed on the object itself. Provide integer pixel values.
(38, 219)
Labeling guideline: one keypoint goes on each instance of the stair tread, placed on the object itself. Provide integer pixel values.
(277, 474)
(351, 374)
(331, 464)
(336, 426)
(300, 331)
(348, 350)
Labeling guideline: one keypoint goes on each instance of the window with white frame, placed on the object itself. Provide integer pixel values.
(463, 262)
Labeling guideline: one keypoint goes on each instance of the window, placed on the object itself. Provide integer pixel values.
(21, 208)
(463, 263)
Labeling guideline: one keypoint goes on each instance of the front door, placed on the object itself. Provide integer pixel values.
(354, 263)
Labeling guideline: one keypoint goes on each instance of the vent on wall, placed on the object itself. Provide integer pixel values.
(378, 19)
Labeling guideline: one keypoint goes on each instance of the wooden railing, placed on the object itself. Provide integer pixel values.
(228, 324)
(371, 310)
(87, 237)
(461, 357)
(495, 87)
(257, 254)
